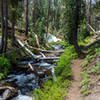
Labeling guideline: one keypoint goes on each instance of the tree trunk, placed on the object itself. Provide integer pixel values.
(26, 33)
(6, 26)
(2, 26)
(89, 16)
(49, 2)
(34, 12)
(75, 30)
(13, 33)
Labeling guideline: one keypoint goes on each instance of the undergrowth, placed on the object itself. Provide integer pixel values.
(59, 89)
(4, 67)
(93, 70)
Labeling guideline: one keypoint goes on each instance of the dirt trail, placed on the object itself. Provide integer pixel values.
(74, 91)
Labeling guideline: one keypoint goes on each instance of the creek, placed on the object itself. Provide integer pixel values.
(25, 80)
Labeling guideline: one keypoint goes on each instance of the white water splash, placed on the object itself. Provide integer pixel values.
(23, 97)
(52, 38)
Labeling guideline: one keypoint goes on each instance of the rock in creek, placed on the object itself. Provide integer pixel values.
(9, 92)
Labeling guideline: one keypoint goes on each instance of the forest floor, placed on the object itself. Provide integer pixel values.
(74, 91)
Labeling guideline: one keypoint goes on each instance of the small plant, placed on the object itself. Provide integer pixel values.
(84, 64)
(85, 91)
(95, 69)
(85, 80)
(89, 57)
(92, 70)
(97, 50)
(4, 67)
(85, 83)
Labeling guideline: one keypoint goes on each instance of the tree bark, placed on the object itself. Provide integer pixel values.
(2, 25)
(75, 30)
(90, 6)
(27, 24)
(49, 2)
(13, 33)
(6, 26)
(34, 12)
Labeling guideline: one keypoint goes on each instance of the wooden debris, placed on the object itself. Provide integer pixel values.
(31, 67)
(38, 57)
(27, 50)
(46, 51)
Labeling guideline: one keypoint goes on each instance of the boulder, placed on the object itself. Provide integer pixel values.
(9, 92)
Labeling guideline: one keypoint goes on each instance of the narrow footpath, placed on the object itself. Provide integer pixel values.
(74, 91)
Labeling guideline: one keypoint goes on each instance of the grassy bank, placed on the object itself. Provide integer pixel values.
(58, 90)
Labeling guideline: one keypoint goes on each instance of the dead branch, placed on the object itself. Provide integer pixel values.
(31, 67)
(45, 51)
(27, 50)
(33, 55)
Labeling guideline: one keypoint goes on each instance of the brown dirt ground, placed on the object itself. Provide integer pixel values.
(74, 91)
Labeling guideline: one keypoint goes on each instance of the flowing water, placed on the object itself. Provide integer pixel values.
(26, 81)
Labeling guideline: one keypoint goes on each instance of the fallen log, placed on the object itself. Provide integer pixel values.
(37, 41)
(49, 58)
(31, 67)
(96, 32)
(6, 87)
(38, 57)
(27, 50)
(45, 51)
(91, 28)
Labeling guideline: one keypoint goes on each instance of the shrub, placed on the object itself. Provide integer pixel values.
(52, 90)
(4, 67)
(66, 60)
